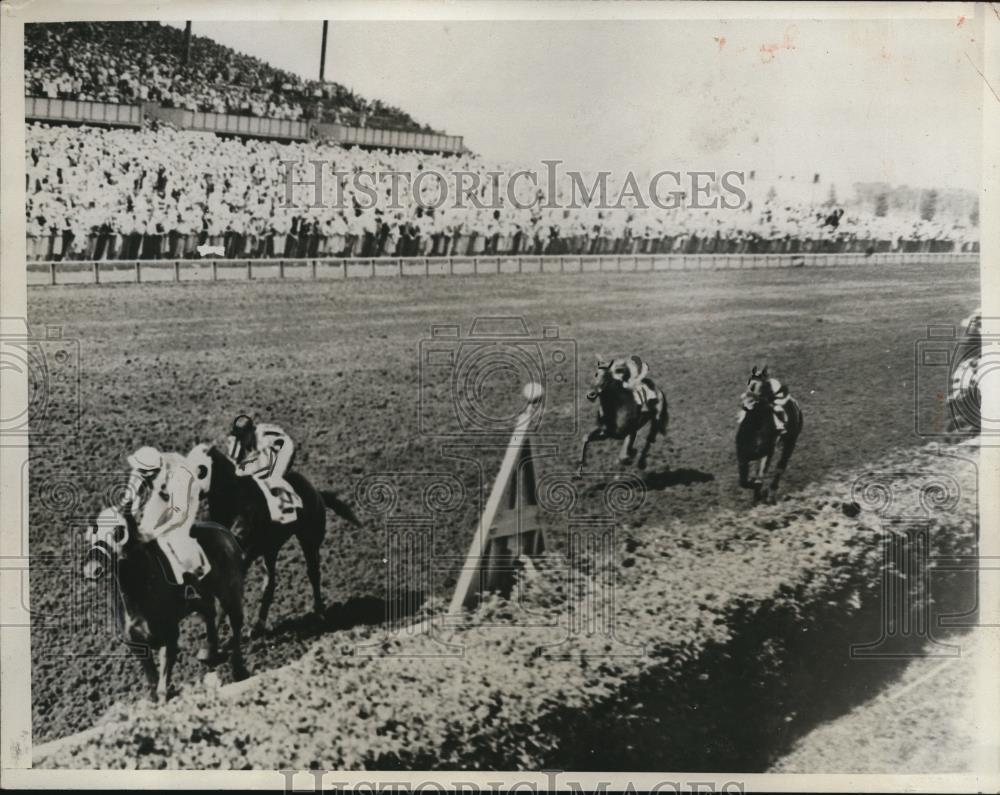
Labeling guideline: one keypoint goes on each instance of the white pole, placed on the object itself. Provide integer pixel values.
(473, 561)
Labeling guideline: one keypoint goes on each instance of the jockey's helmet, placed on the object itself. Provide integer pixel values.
(242, 426)
(147, 461)
(244, 432)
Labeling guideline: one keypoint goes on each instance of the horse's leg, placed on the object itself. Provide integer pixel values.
(628, 449)
(311, 552)
(787, 446)
(168, 656)
(650, 438)
(761, 489)
(744, 465)
(145, 654)
(270, 558)
(595, 434)
(209, 653)
(232, 605)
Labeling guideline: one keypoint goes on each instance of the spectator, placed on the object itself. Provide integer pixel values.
(156, 191)
(134, 61)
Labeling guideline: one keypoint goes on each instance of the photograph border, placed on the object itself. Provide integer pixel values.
(15, 657)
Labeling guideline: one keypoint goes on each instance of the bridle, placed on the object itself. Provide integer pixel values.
(593, 394)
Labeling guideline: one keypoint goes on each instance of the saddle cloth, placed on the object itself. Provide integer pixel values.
(282, 501)
(645, 393)
(183, 554)
(777, 413)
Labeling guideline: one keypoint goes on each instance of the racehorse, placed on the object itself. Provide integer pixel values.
(619, 416)
(964, 402)
(237, 502)
(153, 606)
(757, 437)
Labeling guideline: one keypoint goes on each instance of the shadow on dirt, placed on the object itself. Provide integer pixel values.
(743, 703)
(667, 478)
(355, 612)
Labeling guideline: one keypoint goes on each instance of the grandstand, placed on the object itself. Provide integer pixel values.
(127, 62)
(119, 166)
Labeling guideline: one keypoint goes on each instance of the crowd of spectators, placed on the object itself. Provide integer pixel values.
(130, 62)
(96, 193)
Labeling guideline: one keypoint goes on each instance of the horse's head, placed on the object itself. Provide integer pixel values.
(202, 465)
(220, 467)
(759, 386)
(112, 536)
(222, 486)
(602, 379)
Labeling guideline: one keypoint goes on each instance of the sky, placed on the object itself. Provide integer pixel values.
(879, 100)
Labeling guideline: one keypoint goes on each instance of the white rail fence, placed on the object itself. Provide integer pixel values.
(139, 271)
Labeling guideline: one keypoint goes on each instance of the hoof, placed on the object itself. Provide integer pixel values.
(240, 672)
(258, 631)
(641, 463)
(207, 657)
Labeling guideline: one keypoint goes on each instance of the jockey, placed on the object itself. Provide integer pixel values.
(973, 324)
(779, 396)
(632, 372)
(166, 506)
(965, 378)
(965, 373)
(265, 452)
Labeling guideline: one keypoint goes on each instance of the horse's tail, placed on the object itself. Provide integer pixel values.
(799, 421)
(339, 507)
(663, 415)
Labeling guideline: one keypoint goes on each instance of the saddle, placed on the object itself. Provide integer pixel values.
(179, 554)
(646, 393)
(778, 414)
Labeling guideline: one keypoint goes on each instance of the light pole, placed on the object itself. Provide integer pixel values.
(322, 52)
(187, 43)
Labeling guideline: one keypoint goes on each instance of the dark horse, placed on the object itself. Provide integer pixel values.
(757, 438)
(152, 606)
(619, 416)
(238, 502)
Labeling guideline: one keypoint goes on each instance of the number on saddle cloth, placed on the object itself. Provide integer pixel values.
(282, 501)
(286, 500)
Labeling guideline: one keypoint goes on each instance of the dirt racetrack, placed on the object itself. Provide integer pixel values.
(340, 366)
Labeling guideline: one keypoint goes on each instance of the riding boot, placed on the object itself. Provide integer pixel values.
(780, 421)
